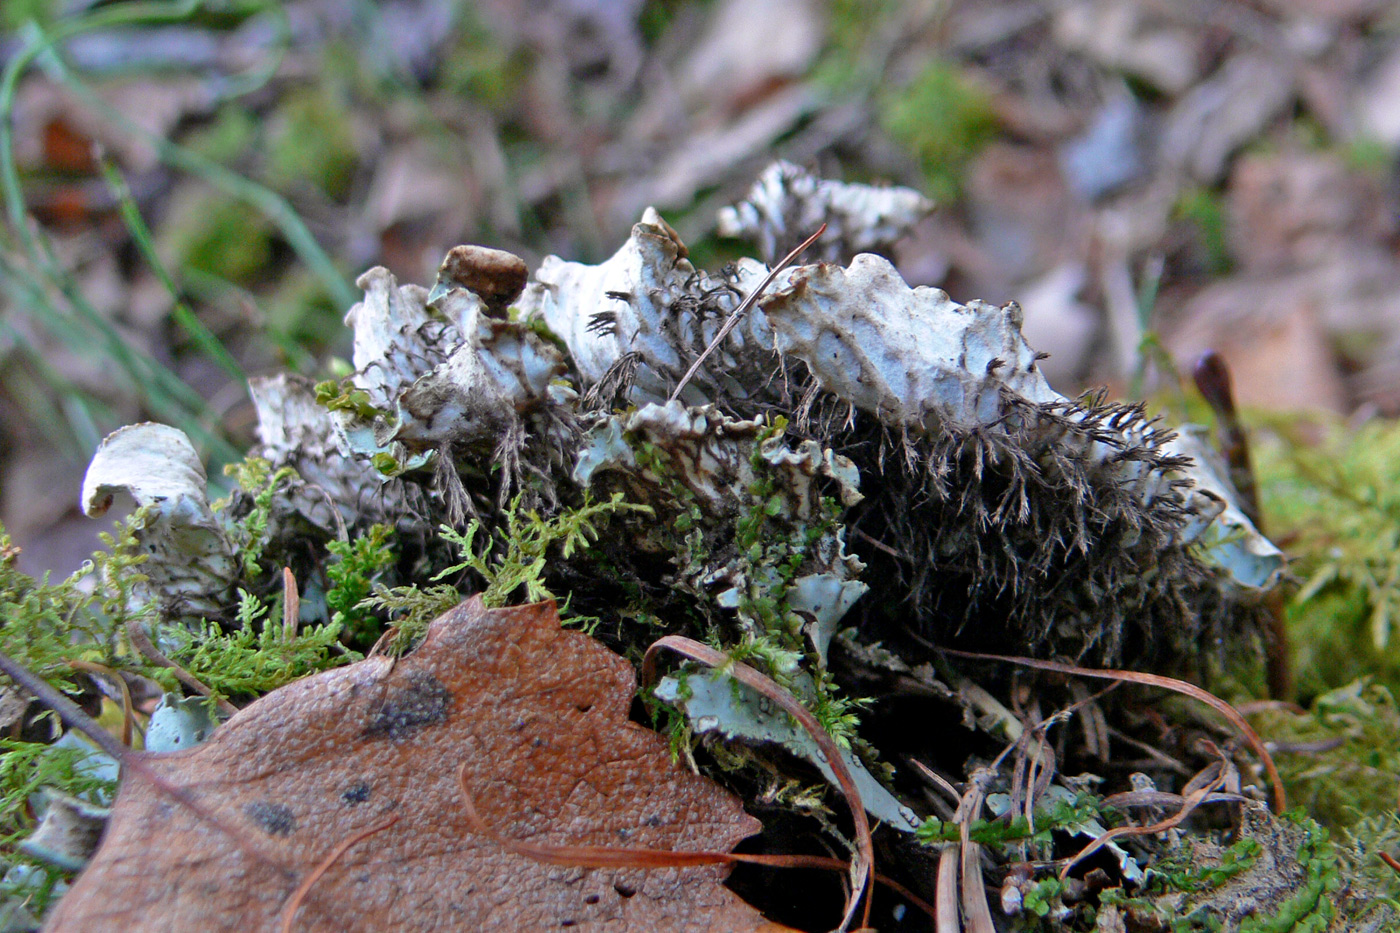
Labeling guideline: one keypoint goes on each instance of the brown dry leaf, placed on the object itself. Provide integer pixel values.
(367, 757)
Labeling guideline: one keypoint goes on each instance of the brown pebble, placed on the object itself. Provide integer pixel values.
(497, 277)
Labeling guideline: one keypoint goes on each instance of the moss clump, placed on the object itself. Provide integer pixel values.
(261, 484)
(355, 567)
(1348, 752)
(943, 120)
(1204, 211)
(259, 654)
(481, 67)
(312, 142)
(81, 618)
(1280, 875)
(1336, 505)
(218, 237)
(231, 133)
(515, 573)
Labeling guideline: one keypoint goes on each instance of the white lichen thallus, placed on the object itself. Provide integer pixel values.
(738, 313)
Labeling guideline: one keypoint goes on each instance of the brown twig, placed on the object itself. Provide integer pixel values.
(131, 761)
(863, 866)
(142, 643)
(294, 902)
(1155, 680)
(737, 314)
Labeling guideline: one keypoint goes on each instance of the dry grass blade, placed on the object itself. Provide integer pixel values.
(1280, 800)
(1161, 798)
(738, 313)
(974, 891)
(622, 857)
(294, 902)
(947, 901)
(862, 868)
(128, 715)
(1193, 800)
(291, 605)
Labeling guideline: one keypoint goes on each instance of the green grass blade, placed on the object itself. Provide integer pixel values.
(202, 336)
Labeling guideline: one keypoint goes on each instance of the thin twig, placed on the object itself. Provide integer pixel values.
(142, 643)
(733, 320)
(72, 715)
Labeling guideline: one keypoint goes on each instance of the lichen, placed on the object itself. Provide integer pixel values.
(787, 203)
(852, 453)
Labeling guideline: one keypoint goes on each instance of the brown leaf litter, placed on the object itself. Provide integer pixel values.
(336, 801)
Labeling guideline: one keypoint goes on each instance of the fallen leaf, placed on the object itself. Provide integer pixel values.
(346, 785)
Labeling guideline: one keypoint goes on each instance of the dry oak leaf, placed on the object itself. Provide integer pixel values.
(538, 715)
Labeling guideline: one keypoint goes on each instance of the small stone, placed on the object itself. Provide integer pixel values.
(495, 276)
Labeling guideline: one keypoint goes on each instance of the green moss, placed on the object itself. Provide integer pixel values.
(259, 655)
(479, 67)
(1359, 847)
(845, 63)
(1352, 741)
(231, 133)
(354, 568)
(943, 121)
(1061, 815)
(312, 142)
(510, 562)
(249, 534)
(300, 312)
(1192, 891)
(218, 237)
(1310, 909)
(46, 625)
(1337, 506)
(1204, 210)
(1186, 871)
